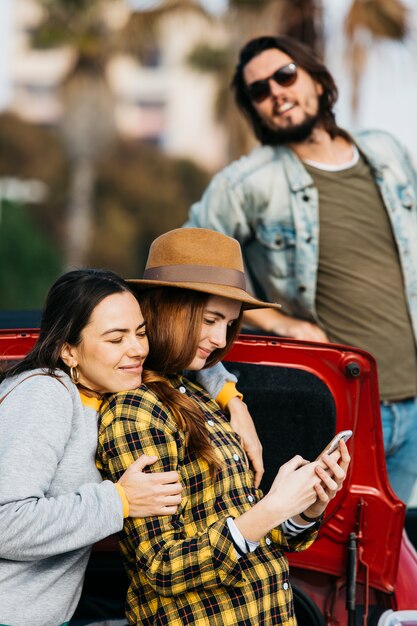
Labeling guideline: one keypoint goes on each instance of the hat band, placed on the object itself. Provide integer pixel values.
(197, 274)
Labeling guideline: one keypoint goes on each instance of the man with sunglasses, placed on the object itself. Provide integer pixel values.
(328, 225)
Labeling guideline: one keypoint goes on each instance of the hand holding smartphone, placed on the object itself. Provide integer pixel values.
(334, 443)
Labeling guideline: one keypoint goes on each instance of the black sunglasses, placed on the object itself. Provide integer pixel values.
(284, 76)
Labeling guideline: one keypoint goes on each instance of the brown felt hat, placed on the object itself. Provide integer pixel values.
(198, 259)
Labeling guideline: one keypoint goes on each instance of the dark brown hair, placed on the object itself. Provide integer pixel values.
(173, 321)
(68, 308)
(305, 58)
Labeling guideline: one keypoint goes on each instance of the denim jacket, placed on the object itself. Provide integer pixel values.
(267, 200)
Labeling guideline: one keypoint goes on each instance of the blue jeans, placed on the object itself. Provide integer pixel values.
(399, 426)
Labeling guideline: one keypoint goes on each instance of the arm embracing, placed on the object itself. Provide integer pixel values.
(173, 559)
(35, 426)
(215, 378)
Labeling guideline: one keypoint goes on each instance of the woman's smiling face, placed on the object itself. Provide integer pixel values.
(219, 314)
(113, 346)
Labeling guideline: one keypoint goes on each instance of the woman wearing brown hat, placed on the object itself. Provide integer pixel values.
(220, 559)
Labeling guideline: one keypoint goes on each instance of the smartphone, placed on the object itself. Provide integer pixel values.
(334, 443)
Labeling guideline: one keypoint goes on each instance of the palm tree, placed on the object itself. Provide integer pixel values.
(87, 122)
(380, 19)
(242, 20)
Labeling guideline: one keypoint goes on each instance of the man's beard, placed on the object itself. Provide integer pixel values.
(292, 134)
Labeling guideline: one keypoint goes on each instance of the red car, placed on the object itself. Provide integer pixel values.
(362, 566)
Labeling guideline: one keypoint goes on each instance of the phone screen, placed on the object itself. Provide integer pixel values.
(334, 443)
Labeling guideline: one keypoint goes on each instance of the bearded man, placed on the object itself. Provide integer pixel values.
(328, 225)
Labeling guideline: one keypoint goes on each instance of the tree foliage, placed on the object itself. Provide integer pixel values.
(29, 261)
(139, 194)
(31, 152)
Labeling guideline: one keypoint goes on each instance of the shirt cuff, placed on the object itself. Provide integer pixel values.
(227, 392)
(123, 498)
(242, 545)
(292, 529)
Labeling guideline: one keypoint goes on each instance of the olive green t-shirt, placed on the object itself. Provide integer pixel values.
(360, 297)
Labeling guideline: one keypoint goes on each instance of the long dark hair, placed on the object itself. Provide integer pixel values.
(304, 57)
(69, 304)
(173, 322)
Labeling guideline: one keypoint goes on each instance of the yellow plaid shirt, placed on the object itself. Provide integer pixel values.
(183, 568)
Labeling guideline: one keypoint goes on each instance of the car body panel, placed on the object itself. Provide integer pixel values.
(367, 505)
(366, 512)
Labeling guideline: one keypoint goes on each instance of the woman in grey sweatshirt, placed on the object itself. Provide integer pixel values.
(53, 502)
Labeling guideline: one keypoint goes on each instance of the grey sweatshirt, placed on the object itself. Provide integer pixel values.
(53, 503)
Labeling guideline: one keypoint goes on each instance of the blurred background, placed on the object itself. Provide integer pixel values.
(114, 115)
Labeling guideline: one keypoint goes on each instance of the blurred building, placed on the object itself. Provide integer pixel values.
(161, 100)
(36, 74)
(165, 101)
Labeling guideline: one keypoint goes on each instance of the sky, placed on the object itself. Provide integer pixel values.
(6, 15)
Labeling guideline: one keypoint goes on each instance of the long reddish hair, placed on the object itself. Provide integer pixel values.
(173, 320)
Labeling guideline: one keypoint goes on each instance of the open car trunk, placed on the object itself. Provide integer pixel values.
(300, 394)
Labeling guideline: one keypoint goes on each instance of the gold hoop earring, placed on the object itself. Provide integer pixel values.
(75, 375)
